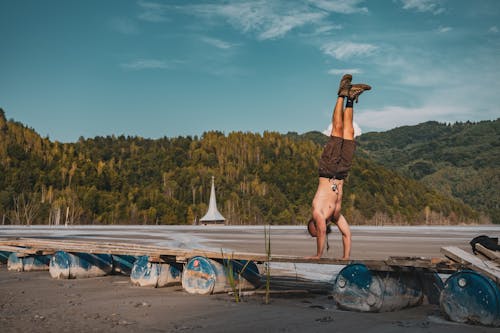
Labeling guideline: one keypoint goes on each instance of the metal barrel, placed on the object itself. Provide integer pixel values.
(206, 276)
(432, 285)
(471, 297)
(76, 265)
(149, 274)
(357, 288)
(28, 263)
(123, 264)
(4, 257)
(246, 268)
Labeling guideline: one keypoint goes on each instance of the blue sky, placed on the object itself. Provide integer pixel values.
(166, 68)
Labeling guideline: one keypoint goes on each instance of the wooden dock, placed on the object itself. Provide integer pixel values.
(470, 294)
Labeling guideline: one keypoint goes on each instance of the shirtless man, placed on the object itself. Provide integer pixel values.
(334, 165)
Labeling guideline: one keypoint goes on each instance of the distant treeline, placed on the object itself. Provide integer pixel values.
(460, 160)
(260, 179)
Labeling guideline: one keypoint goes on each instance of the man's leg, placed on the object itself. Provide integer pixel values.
(337, 122)
(348, 127)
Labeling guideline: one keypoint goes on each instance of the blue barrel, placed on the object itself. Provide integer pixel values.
(206, 276)
(65, 265)
(123, 264)
(148, 274)
(4, 257)
(28, 263)
(247, 269)
(357, 288)
(471, 297)
(432, 285)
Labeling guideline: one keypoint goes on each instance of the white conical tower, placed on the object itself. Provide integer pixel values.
(212, 215)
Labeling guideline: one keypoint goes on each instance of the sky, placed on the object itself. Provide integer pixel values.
(153, 68)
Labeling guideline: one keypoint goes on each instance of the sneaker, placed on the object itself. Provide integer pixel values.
(356, 90)
(345, 85)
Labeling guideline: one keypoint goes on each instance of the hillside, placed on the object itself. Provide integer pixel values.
(260, 178)
(460, 160)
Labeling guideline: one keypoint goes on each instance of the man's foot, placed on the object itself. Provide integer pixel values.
(345, 85)
(313, 258)
(356, 90)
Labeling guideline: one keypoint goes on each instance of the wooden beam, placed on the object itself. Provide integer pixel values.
(492, 255)
(20, 251)
(470, 261)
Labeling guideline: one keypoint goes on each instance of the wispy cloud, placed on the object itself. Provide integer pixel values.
(444, 29)
(217, 43)
(345, 50)
(124, 25)
(141, 64)
(277, 27)
(152, 11)
(335, 71)
(340, 6)
(275, 19)
(327, 28)
(493, 29)
(265, 20)
(432, 6)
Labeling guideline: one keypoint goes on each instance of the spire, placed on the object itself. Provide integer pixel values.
(212, 214)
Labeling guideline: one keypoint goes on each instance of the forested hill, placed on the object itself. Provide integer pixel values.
(460, 160)
(260, 178)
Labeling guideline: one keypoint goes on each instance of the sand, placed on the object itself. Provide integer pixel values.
(34, 302)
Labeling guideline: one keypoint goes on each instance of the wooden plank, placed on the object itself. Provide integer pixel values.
(9, 248)
(25, 251)
(492, 255)
(470, 261)
(181, 254)
(166, 254)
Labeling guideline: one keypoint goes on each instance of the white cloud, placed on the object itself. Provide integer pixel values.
(444, 29)
(327, 28)
(340, 6)
(147, 64)
(493, 29)
(357, 129)
(124, 26)
(344, 50)
(217, 43)
(393, 116)
(432, 6)
(339, 71)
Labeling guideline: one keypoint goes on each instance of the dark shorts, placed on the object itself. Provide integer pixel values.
(336, 159)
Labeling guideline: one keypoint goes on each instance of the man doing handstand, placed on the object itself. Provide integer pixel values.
(334, 165)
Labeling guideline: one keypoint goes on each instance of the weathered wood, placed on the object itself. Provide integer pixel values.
(492, 255)
(25, 251)
(470, 261)
(441, 265)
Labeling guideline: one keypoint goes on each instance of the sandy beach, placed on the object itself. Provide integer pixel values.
(34, 302)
